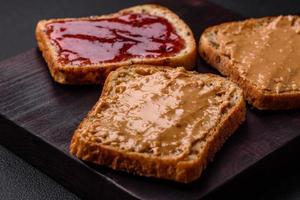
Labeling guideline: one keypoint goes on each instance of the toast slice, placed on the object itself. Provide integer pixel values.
(159, 122)
(261, 55)
(84, 50)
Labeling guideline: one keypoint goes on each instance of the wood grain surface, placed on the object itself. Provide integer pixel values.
(38, 117)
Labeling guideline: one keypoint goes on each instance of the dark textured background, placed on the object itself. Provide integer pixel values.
(277, 177)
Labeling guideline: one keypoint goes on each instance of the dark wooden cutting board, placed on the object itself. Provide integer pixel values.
(38, 117)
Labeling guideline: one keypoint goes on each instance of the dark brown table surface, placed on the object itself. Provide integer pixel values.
(277, 177)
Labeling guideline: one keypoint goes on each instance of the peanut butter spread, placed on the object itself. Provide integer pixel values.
(266, 52)
(161, 112)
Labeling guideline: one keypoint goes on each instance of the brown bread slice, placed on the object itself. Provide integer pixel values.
(97, 72)
(261, 55)
(160, 122)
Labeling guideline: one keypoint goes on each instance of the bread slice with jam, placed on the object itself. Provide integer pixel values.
(84, 50)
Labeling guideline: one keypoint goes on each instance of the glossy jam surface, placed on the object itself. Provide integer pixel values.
(92, 41)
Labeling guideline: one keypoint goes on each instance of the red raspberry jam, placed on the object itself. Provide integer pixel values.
(92, 41)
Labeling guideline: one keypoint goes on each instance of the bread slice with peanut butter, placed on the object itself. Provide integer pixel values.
(84, 50)
(261, 55)
(159, 122)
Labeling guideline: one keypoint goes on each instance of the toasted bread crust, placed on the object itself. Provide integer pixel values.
(263, 100)
(95, 74)
(145, 165)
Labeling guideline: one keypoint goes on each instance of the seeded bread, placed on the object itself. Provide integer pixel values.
(96, 73)
(151, 135)
(214, 53)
